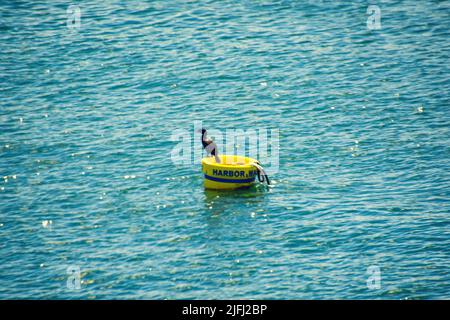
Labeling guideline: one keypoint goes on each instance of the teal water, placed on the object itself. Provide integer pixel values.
(86, 117)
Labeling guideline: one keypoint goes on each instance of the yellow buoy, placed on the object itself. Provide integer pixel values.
(231, 173)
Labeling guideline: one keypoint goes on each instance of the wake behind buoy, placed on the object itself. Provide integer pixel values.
(232, 172)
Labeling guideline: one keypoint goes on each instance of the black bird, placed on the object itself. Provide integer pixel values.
(209, 146)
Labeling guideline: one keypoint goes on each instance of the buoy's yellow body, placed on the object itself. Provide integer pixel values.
(232, 172)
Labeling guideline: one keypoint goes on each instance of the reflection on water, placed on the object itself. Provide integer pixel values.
(236, 207)
(223, 196)
(223, 201)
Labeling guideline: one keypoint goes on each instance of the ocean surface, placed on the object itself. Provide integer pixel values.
(89, 105)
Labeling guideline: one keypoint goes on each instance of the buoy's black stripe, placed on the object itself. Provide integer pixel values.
(229, 180)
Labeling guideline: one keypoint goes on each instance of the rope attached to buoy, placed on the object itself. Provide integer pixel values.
(262, 175)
